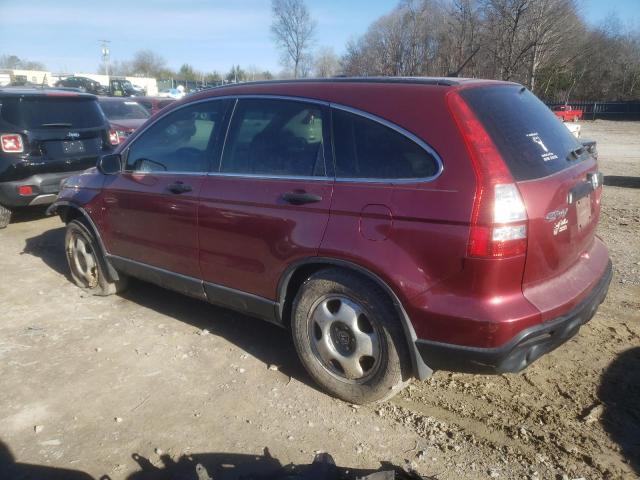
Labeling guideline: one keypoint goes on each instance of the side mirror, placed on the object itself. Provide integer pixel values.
(110, 164)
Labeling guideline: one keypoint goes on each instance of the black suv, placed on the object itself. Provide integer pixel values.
(83, 84)
(46, 135)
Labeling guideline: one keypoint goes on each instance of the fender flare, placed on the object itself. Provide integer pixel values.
(112, 273)
(420, 369)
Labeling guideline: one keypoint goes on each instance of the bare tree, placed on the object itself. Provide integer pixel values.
(147, 63)
(326, 63)
(293, 30)
(13, 62)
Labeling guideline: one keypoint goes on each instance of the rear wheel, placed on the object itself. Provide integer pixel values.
(5, 216)
(349, 337)
(85, 261)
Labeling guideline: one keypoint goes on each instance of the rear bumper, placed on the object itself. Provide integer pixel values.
(523, 349)
(45, 188)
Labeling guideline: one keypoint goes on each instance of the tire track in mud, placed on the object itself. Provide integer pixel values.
(548, 440)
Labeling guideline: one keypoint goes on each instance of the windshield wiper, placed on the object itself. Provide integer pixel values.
(56, 125)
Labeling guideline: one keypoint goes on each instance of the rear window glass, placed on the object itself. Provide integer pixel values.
(125, 110)
(532, 140)
(43, 112)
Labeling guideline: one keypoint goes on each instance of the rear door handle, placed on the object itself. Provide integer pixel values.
(300, 198)
(179, 187)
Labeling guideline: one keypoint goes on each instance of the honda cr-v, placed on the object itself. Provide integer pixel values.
(394, 226)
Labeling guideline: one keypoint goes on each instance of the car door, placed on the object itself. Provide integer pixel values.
(151, 206)
(268, 203)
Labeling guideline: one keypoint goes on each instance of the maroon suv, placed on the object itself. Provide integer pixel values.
(395, 226)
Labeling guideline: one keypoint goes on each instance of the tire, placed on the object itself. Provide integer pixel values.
(349, 337)
(5, 216)
(86, 263)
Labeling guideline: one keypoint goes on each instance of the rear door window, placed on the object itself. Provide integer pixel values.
(532, 140)
(367, 149)
(275, 137)
(44, 112)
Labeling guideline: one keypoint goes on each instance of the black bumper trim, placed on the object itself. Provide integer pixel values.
(43, 183)
(521, 350)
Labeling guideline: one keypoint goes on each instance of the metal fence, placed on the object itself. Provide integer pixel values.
(190, 85)
(606, 110)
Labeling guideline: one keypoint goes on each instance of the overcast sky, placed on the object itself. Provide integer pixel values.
(208, 34)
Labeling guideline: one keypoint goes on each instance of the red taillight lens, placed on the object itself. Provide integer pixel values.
(498, 226)
(11, 143)
(114, 138)
(25, 190)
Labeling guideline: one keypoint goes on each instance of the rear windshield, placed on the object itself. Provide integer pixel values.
(125, 110)
(532, 140)
(43, 112)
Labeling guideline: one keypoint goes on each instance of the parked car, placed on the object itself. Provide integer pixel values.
(154, 104)
(567, 113)
(83, 84)
(124, 115)
(121, 87)
(46, 135)
(395, 226)
(174, 93)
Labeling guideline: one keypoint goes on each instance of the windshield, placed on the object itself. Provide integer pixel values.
(532, 140)
(42, 111)
(115, 110)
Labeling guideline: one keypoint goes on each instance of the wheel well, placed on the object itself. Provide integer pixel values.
(291, 283)
(303, 272)
(295, 281)
(68, 213)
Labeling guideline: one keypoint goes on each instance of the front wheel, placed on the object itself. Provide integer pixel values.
(349, 337)
(85, 261)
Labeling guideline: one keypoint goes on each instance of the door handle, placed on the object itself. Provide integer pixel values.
(300, 198)
(179, 187)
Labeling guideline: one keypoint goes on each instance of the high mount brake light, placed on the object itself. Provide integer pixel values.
(498, 226)
(11, 143)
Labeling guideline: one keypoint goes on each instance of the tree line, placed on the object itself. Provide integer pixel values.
(546, 45)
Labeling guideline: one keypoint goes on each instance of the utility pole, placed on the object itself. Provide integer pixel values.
(105, 54)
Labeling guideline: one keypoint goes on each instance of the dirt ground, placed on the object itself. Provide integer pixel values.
(133, 386)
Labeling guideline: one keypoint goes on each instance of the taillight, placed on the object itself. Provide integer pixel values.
(498, 226)
(114, 138)
(25, 190)
(12, 143)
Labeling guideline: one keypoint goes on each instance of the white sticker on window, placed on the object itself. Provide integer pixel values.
(546, 155)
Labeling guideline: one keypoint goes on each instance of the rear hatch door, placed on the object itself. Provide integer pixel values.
(64, 132)
(560, 184)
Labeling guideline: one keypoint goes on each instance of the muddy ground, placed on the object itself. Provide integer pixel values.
(132, 386)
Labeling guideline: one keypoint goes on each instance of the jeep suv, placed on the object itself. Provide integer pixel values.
(394, 226)
(46, 135)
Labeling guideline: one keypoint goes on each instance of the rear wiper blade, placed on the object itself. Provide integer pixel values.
(575, 153)
(54, 125)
